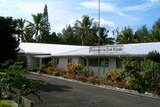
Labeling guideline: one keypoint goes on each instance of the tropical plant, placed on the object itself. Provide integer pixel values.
(15, 83)
(8, 41)
(154, 56)
(103, 37)
(125, 36)
(68, 36)
(36, 26)
(84, 29)
(156, 31)
(142, 35)
(21, 28)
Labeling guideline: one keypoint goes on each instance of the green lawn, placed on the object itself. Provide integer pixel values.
(2, 73)
(7, 103)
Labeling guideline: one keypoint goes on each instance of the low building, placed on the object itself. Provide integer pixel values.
(98, 58)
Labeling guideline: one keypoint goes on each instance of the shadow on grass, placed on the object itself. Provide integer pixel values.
(46, 87)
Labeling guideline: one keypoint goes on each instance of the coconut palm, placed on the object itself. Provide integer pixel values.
(84, 29)
(103, 37)
(125, 36)
(36, 26)
(21, 29)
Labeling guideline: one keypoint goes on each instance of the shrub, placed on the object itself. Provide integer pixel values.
(151, 74)
(114, 75)
(81, 78)
(154, 56)
(74, 66)
(86, 72)
(157, 90)
(94, 80)
(15, 78)
(135, 74)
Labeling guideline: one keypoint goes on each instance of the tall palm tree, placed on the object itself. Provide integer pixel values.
(21, 29)
(36, 26)
(83, 28)
(156, 31)
(142, 35)
(103, 37)
(125, 36)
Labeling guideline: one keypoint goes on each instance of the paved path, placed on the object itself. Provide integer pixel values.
(61, 93)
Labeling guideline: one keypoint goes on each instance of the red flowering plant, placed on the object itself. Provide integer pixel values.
(94, 80)
(15, 83)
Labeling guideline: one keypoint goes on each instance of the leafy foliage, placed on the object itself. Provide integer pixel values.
(8, 42)
(134, 72)
(14, 82)
(154, 56)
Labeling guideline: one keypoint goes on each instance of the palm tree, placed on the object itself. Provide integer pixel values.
(142, 35)
(103, 37)
(36, 26)
(156, 31)
(21, 29)
(83, 28)
(125, 36)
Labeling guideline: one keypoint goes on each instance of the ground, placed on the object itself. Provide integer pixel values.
(61, 93)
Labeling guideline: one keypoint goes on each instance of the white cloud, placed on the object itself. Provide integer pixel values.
(107, 7)
(153, 0)
(143, 7)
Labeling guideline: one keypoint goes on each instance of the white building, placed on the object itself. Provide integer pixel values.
(108, 56)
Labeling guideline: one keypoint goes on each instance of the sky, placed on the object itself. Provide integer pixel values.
(113, 13)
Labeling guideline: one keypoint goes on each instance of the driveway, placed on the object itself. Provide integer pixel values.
(61, 93)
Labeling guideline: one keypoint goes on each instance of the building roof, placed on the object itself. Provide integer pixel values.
(57, 50)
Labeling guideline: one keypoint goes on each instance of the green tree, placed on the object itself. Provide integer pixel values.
(69, 37)
(125, 36)
(84, 29)
(142, 35)
(103, 37)
(45, 31)
(8, 41)
(21, 28)
(53, 38)
(36, 26)
(134, 73)
(156, 31)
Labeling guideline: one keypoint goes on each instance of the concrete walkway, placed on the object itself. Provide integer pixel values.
(61, 93)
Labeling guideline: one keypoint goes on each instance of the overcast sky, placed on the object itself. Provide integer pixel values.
(114, 13)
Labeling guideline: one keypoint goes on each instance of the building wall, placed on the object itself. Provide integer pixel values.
(32, 62)
(63, 61)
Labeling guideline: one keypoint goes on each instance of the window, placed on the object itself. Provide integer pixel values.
(118, 63)
(103, 62)
(57, 61)
(69, 60)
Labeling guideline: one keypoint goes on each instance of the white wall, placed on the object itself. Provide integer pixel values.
(32, 62)
(112, 65)
(63, 62)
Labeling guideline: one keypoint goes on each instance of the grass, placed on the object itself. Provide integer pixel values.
(2, 73)
(7, 103)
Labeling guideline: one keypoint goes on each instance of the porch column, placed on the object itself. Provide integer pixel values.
(40, 62)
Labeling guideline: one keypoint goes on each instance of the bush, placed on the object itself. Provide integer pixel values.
(74, 66)
(114, 75)
(154, 56)
(81, 78)
(94, 80)
(86, 72)
(15, 78)
(151, 74)
(135, 75)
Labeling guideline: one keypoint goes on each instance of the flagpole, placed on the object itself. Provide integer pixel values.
(99, 37)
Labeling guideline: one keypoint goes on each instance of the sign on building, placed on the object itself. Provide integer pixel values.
(106, 49)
